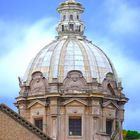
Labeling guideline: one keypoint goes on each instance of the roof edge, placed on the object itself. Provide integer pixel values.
(4, 108)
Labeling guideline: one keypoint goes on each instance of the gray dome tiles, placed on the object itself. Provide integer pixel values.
(71, 53)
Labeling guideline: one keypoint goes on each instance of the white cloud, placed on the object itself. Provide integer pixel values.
(123, 17)
(24, 41)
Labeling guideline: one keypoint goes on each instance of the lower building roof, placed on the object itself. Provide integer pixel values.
(23, 122)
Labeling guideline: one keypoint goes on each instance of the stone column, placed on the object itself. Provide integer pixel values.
(45, 122)
(54, 116)
(104, 124)
(86, 125)
(62, 124)
(54, 127)
(95, 126)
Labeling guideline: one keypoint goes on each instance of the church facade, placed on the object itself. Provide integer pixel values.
(71, 90)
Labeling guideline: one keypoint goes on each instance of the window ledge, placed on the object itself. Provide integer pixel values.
(103, 134)
(75, 137)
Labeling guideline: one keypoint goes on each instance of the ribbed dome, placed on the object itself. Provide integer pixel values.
(71, 50)
(67, 53)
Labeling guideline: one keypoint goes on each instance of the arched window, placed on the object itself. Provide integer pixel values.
(77, 16)
(64, 17)
(71, 27)
(62, 28)
(71, 17)
(79, 28)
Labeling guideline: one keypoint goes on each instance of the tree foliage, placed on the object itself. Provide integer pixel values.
(130, 135)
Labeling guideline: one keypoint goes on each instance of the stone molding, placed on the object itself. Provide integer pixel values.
(75, 99)
(36, 101)
(74, 82)
(105, 104)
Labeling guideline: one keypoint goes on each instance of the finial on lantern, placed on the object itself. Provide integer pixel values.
(71, 1)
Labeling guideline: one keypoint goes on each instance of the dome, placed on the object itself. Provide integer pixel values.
(71, 50)
(69, 53)
(71, 85)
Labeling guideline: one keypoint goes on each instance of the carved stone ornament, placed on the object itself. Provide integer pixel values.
(74, 82)
(96, 110)
(109, 113)
(38, 84)
(23, 89)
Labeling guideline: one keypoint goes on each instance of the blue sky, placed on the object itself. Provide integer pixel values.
(114, 25)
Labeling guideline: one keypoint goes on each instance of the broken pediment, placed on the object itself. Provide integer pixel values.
(74, 82)
(110, 89)
(110, 104)
(109, 84)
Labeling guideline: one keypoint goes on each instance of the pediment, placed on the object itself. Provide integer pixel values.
(37, 104)
(110, 104)
(75, 102)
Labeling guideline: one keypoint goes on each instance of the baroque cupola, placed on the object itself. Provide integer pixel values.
(70, 89)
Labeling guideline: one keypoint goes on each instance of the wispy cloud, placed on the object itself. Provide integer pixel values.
(19, 44)
(123, 18)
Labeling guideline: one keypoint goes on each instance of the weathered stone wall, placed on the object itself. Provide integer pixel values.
(12, 130)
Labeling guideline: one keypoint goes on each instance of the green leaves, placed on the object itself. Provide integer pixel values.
(130, 135)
